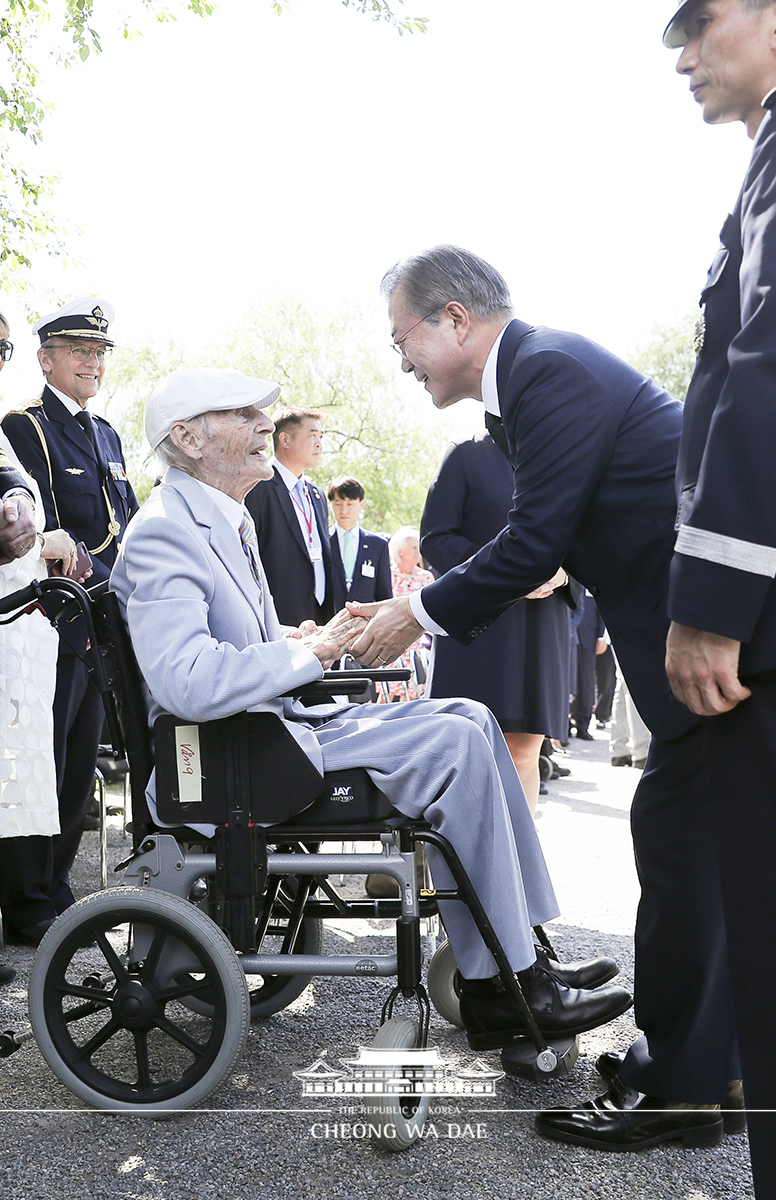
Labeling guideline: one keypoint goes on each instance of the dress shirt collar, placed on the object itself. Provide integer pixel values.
(489, 385)
(231, 509)
(341, 535)
(72, 406)
(288, 477)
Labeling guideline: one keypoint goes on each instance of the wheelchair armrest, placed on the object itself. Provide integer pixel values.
(342, 683)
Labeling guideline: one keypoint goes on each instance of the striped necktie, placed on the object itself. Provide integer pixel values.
(250, 547)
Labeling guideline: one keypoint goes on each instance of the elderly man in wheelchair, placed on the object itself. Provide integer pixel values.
(208, 644)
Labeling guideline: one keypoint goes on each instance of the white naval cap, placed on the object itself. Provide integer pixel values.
(88, 317)
(190, 392)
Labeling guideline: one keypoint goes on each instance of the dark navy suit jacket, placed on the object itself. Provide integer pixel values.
(593, 443)
(722, 580)
(78, 472)
(372, 552)
(283, 552)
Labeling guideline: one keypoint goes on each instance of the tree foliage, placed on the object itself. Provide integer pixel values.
(31, 31)
(669, 356)
(323, 360)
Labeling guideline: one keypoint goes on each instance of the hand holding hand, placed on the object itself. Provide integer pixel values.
(702, 669)
(331, 641)
(559, 579)
(304, 630)
(17, 527)
(391, 629)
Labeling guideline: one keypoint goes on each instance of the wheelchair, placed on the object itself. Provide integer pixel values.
(141, 995)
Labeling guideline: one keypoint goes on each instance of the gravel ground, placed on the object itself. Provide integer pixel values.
(256, 1139)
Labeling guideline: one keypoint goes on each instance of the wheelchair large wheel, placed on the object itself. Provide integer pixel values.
(441, 984)
(397, 1120)
(106, 1001)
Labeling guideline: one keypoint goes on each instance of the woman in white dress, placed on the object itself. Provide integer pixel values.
(28, 656)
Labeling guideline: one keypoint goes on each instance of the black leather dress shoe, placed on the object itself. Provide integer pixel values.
(733, 1111)
(585, 735)
(29, 935)
(622, 760)
(625, 1120)
(6, 974)
(492, 1021)
(586, 974)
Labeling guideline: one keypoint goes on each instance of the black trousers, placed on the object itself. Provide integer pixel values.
(741, 748)
(683, 994)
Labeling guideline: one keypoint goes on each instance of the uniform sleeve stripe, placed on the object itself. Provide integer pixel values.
(728, 551)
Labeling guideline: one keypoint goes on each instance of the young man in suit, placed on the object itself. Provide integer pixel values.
(76, 459)
(360, 566)
(208, 641)
(292, 522)
(722, 644)
(593, 444)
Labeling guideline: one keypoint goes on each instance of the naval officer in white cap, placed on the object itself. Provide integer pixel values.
(77, 461)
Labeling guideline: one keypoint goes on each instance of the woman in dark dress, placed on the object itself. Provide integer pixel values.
(520, 666)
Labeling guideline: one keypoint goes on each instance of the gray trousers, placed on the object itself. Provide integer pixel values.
(446, 761)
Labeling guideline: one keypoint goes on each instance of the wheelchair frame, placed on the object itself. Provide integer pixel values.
(101, 1026)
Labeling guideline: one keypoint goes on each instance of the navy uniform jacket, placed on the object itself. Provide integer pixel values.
(72, 482)
(593, 443)
(283, 551)
(722, 577)
(375, 583)
(10, 479)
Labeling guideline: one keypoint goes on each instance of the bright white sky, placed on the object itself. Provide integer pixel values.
(217, 160)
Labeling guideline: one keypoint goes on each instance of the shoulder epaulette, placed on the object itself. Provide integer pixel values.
(36, 402)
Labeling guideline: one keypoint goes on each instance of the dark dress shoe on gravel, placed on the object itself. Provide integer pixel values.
(29, 935)
(6, 974)
(621, 760)
(492, 1020)
(733, 1111)
(586, 974)
(612, 1122)
(585, 735)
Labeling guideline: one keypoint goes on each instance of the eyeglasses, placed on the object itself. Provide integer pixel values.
(6, 350)
(82, 353)
(397, 345)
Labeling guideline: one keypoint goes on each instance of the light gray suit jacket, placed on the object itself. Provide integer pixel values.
(202, 636)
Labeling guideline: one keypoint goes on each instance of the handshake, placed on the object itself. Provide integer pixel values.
(375, 634)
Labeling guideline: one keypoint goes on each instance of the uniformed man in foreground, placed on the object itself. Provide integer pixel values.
(77, 462)
(722, 643)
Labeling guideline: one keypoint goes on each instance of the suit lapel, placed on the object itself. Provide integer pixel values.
(75, 433)
(289, 512)
(223, 539)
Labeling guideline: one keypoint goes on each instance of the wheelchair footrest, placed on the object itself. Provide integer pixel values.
(522, 1060)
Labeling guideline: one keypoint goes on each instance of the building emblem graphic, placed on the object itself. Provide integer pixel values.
(398, 1073)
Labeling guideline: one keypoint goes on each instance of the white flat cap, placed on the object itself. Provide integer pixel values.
(675, 34)
(191, 392)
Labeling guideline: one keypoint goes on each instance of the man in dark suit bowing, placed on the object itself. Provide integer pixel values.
(593, 444)
(76, 459)
(360, 564)
(292, 522)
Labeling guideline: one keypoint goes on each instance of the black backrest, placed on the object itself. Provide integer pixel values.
(126, 706)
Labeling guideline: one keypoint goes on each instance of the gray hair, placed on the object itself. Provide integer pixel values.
(431, 280)
(399, 540)
(169, 455)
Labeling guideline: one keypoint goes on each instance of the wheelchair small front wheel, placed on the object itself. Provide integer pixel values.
(441, 984)
(398, 1118)
(107, 1001)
